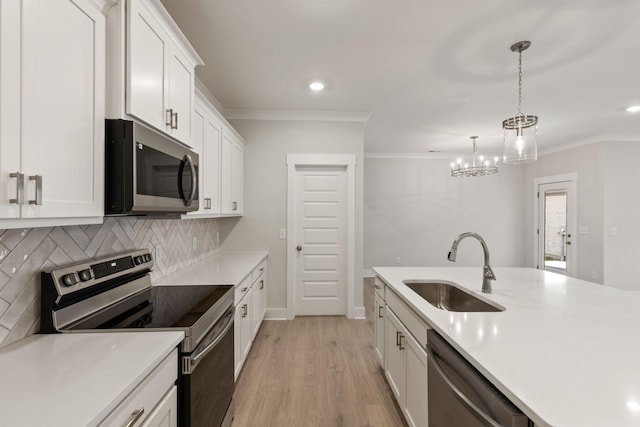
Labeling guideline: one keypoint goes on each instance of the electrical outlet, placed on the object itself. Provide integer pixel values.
(283, 234)
(194, 243)
(397, 260)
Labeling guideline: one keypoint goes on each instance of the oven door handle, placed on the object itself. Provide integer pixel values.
(193, 361)
(479, 413)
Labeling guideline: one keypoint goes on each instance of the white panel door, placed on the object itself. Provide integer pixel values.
(237, 179)
(165, 414)
(197, 143)
(320, 269)
(63, 102)
(146, 67)
(226, 178)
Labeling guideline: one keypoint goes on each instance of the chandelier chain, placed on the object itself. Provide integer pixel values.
(520, 82)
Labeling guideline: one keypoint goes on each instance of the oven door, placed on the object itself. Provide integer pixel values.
(206, 382)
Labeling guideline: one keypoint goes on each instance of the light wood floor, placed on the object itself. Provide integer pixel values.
(316, 372)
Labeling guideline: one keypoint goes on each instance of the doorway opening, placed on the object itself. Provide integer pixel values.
(555, 222)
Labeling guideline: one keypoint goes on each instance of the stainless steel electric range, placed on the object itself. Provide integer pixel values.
(115, 294)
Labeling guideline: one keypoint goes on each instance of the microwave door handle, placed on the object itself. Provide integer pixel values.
(485, 418)
(194, 177)
(194, 180)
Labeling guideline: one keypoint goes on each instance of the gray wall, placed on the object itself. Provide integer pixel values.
(621, 234)
(265, 191)
(586, 162)
(414, 209)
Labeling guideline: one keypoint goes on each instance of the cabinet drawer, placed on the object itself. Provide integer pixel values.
(257, 272)
(147, 395)
(416, 326)
(242, 288)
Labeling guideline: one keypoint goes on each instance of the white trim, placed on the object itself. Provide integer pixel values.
(276, 314)
(312, 116)
(368, 273)
(572, 179)
(358, 313)
(206, 94)
(438, 155)
(348, 161)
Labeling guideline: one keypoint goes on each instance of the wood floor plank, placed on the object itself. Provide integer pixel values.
(315, 372)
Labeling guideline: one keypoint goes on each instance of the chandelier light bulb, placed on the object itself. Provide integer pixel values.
(479, 165)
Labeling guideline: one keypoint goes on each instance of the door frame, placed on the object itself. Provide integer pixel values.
(572, 200)
(348, 161)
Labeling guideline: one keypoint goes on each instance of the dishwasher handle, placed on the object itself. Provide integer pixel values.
(486, 419)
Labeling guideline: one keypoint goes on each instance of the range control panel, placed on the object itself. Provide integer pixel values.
(81, 276)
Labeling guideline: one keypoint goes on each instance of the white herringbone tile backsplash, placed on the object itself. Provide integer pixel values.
(24, 252)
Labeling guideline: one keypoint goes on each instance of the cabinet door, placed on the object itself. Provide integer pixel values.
(226, 179)
(165, 414)
(379, 327)
(238, 360)
(259, 303)
(242, 331)
(181, 92)
(197, 143)
(63, 108)
(9, 112)
(237, 178)
(211, 165)
(247, 329)
(147, 46)
(416, 409)
(394, 357)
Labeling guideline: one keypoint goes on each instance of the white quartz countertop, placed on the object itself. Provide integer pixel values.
(75, 379)
(565, 351)
(223, 268)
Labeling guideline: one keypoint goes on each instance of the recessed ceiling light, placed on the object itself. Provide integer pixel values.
(634, 109)
(316, 86)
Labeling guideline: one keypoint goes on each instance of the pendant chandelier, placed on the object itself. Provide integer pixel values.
(520, 145)
(479, 165)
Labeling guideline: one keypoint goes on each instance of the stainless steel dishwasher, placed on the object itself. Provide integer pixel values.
(459, 395)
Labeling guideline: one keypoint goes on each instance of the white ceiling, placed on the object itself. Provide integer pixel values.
(430, 72)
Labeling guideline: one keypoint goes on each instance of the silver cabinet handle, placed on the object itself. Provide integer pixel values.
(401, 344)
(175, 126)
(207, 203)
(234, 206)
(135, 416)
(38, 200)
(377, 287)
(169, 118)
(244, 289)
(245, 310)
(380, 312)
(398, 335)
(19, 188)
(459, 394)
(261, 268)
(261, 284)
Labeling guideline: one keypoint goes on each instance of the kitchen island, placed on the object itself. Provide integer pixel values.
(564, 350)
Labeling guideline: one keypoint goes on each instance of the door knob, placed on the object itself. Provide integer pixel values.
(298, 248)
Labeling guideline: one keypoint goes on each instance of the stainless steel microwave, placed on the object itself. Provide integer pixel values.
(147, 173)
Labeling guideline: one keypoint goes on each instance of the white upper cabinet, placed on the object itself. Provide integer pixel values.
(231, 181)
(221, 152)
(52, 110)
(155, 83)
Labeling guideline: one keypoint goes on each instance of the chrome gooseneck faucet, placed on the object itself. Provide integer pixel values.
(487, 272)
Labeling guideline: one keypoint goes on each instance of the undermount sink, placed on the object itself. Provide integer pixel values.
(447, 296)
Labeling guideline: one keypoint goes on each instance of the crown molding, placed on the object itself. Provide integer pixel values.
(433, 156)
(312, 116)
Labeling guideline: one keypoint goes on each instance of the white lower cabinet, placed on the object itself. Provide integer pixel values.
(259, 302)
(380, 323)
(242, 331)
(406, 370)
(165, 414)
(154, 402)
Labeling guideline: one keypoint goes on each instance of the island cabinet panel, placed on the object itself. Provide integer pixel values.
(51, 116)
(405, 359)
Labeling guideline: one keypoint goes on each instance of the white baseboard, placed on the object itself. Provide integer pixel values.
(358, 313)
(368, 273)
(276, 314)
